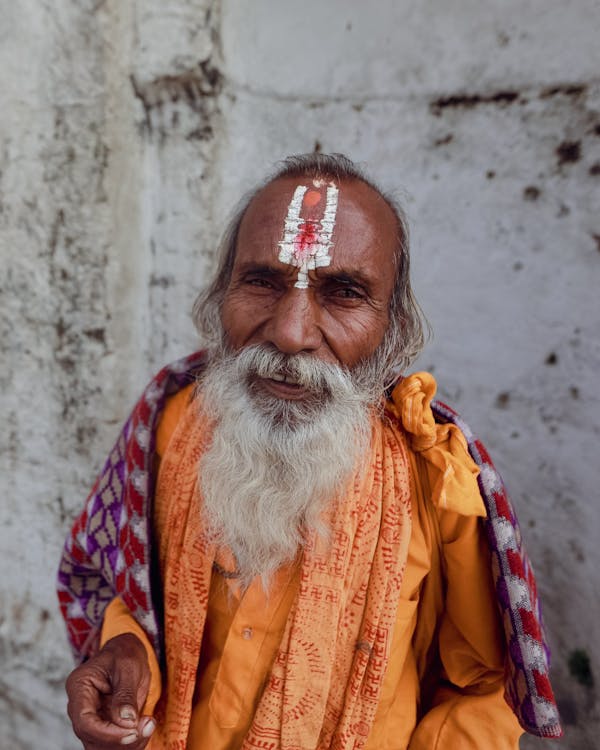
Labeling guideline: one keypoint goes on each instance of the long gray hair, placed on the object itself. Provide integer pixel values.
(404, 337)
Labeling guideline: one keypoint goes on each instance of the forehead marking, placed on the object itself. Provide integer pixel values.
(306, 243)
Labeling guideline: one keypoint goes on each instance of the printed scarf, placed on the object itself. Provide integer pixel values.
(323, 690)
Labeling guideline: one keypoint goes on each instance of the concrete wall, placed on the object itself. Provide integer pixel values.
(129, 130)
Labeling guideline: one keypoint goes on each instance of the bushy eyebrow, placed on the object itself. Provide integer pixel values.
(350, 277)
(263, 270)
(346, 278)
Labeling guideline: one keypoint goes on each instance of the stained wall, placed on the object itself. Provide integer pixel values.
(129, 131)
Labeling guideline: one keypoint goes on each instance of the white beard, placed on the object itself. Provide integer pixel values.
(273, 464)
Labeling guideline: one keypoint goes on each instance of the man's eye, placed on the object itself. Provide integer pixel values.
(346, 293)
(259, 282)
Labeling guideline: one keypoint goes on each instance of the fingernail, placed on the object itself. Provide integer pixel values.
(129, 738)
(127, 712)
(148, 729)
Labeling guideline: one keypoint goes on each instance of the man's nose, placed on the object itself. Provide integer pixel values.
(294, 325)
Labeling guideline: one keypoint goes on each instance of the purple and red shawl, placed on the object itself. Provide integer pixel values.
(108, 552)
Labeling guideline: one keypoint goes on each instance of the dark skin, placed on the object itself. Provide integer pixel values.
(342, 316)
(340, 319)
(107, 694)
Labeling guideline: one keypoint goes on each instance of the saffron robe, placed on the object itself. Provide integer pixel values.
(242, 633)
(89, 557)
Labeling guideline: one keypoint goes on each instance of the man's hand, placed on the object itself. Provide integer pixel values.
(107, 694)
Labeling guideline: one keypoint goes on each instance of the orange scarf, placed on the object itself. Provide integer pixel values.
(324, 686)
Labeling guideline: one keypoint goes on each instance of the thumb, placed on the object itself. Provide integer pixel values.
(122, 709)
(124, 714)
(131, 681)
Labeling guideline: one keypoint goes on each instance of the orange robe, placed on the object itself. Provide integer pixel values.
(451, 698)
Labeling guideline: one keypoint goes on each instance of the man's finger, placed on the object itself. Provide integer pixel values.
(106, 696)
(96, 732)
(130, 680)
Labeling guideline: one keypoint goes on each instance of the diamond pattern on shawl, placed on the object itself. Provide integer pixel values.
(527, 689)
(108, 550)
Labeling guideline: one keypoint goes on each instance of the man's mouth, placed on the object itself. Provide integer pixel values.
(282, 386)
(282, 378)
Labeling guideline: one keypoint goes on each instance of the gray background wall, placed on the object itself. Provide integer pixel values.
(127, 132)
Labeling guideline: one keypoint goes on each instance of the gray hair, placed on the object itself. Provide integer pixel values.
(404, 337)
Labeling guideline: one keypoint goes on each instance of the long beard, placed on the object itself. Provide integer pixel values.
(274, 464)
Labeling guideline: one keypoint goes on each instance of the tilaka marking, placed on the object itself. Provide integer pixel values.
(306, 243)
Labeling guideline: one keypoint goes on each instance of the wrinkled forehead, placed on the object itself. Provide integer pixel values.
(272, 203)
(356, 205)
(317, 231)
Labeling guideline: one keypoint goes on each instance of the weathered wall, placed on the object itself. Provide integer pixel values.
(129, 130)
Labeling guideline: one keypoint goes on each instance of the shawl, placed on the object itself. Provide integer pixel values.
(108, 552)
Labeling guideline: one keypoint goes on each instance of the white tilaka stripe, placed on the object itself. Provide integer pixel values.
(320, 255)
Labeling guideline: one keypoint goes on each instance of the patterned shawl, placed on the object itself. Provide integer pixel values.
(108, 552)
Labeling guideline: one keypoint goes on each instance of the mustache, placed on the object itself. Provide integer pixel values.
(265, 361)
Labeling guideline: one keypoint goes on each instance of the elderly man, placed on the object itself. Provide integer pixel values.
(286, 548)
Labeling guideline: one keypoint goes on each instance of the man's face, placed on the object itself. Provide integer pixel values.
(341, 316)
